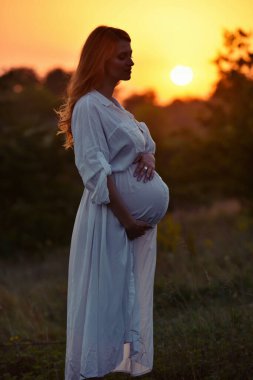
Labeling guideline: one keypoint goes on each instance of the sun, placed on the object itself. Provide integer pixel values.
(181, 75)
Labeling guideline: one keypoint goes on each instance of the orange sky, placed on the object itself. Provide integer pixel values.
(165, 33)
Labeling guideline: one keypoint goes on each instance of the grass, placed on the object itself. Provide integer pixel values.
(203, 304)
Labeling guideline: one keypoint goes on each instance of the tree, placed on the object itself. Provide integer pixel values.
(231, 106)
(231, 99)
(236, 56)
(56, 81)
(16, 79)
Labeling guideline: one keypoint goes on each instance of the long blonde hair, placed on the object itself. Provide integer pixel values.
(97, 49)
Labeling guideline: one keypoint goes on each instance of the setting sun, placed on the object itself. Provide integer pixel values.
(181, 75)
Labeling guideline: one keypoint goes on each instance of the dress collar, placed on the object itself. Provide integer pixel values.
(105, 101)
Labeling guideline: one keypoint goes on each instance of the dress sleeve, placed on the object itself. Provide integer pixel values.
(91, 150)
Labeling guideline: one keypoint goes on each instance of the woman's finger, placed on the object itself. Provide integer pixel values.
(148, 174)
(142, 172)
(138, 169)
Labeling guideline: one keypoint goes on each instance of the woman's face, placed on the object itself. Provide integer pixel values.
(119, 66)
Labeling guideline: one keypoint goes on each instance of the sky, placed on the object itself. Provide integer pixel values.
(47, 34)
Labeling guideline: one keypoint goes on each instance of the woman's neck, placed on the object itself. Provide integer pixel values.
(107, 90)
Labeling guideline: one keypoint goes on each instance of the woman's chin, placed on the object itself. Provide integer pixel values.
(127, 76)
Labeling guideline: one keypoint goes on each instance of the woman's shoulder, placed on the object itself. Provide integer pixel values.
(86, 99)
(88, 104)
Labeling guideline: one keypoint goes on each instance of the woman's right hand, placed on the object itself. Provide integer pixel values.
(136, 229)
(133, 227)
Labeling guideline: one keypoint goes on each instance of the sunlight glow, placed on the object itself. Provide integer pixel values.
(181, 75)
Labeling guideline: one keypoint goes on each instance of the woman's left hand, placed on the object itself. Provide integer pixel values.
(145, 160)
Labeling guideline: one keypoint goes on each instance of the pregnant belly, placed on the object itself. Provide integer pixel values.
(147, 201)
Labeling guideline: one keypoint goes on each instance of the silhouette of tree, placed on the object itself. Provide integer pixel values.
(134, 100)
(231, 116)
(56, 81)
(236, 56)
(16, 79)
(234, 88)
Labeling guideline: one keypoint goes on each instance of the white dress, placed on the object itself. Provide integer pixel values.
(111, 278)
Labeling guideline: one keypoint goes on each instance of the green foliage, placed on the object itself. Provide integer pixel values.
(27, 362)
(168, 234)
(38, 177)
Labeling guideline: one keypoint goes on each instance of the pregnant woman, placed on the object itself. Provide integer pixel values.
(113, 245)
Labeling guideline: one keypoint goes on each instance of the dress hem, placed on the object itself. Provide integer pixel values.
(133, 375)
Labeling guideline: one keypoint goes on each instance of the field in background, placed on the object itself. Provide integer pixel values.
(203, 302)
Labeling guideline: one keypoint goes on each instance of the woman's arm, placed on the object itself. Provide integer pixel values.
(134, 228)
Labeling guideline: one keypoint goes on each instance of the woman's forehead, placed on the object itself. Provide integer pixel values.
(124, 47)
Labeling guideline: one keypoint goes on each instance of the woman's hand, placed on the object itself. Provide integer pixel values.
(145, 160)
(136, 228)
(133, 227)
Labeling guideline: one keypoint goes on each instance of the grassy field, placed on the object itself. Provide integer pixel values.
(203, 303)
